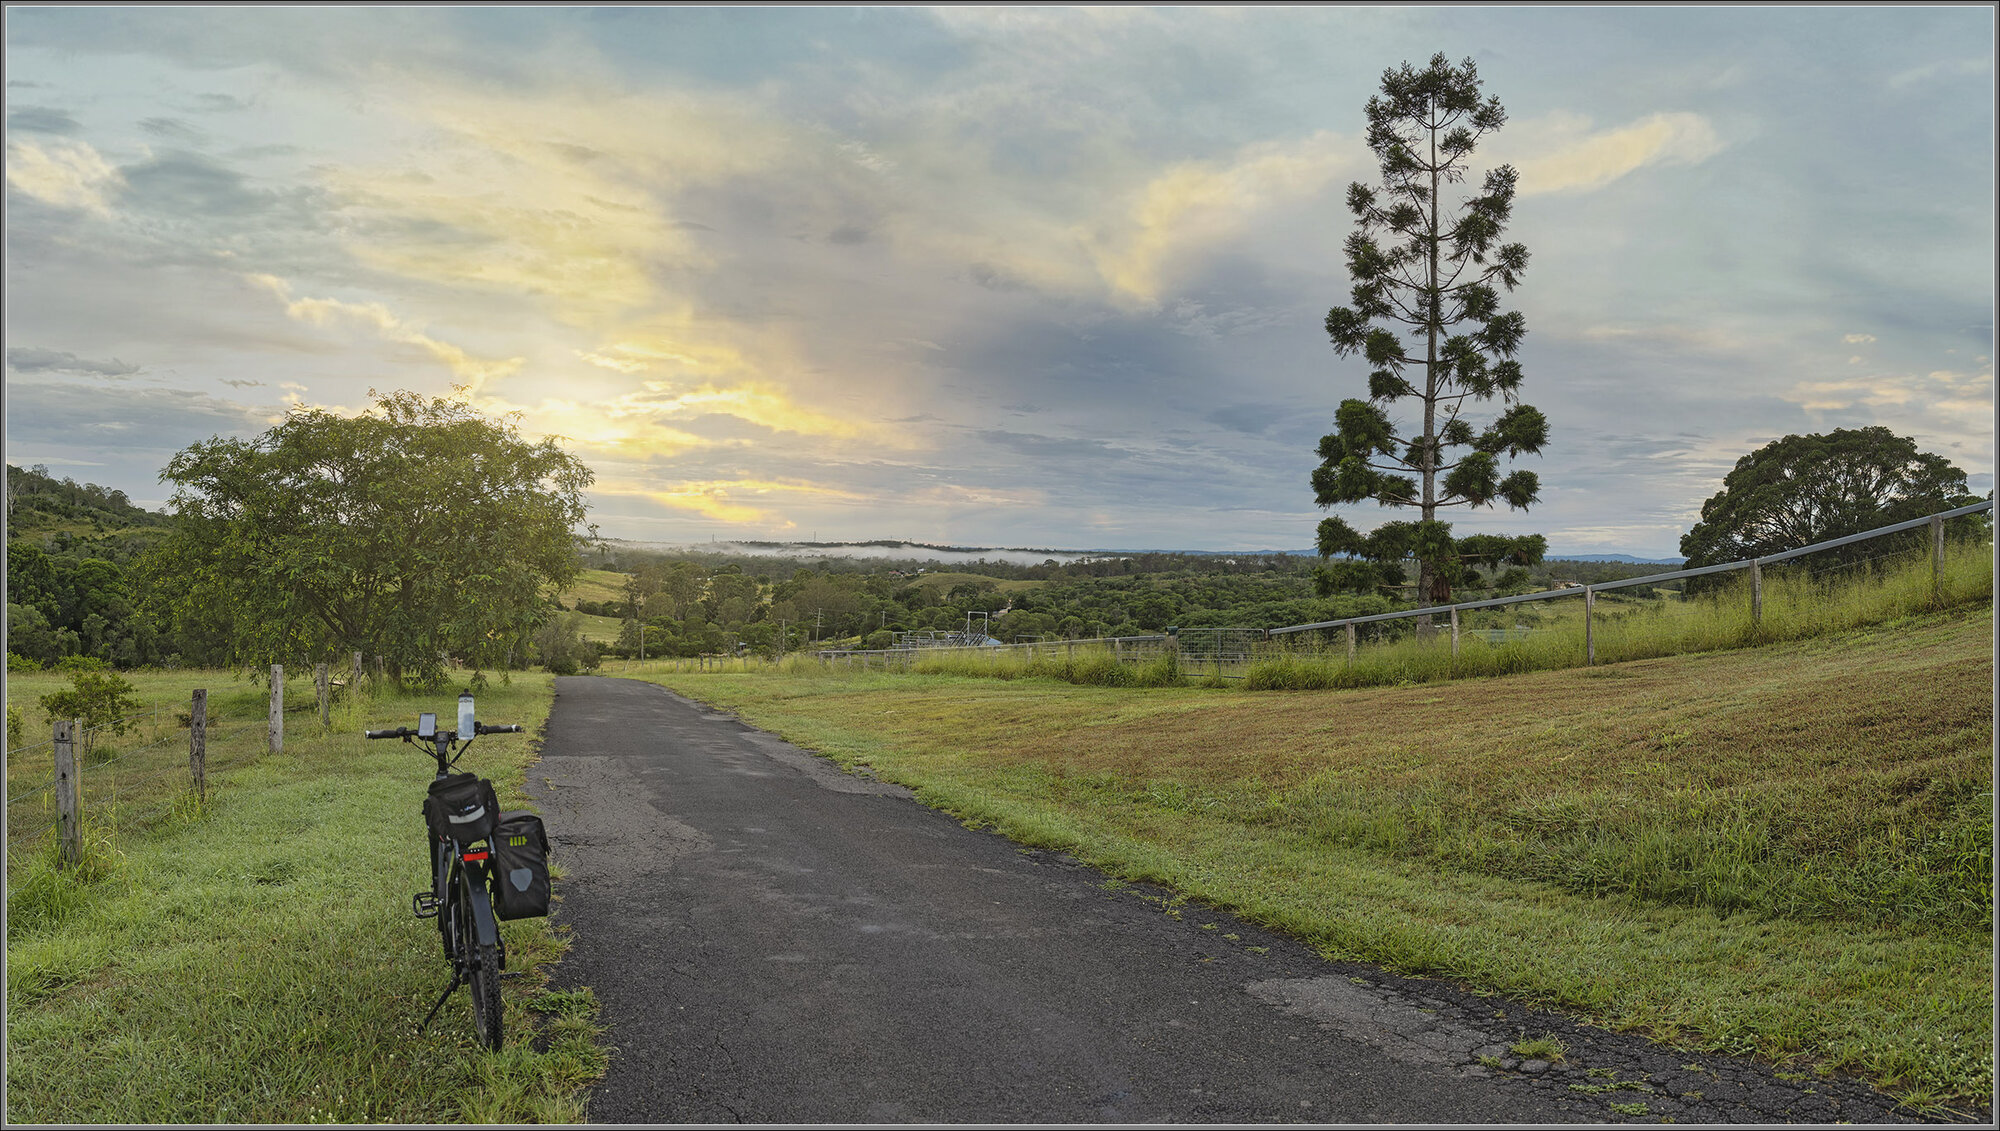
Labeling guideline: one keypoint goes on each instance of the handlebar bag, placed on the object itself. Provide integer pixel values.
(520, 867)
(461, 808)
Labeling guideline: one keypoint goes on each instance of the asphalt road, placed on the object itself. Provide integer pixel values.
(773, 940)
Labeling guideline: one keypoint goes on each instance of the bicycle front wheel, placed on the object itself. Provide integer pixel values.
(482, 968)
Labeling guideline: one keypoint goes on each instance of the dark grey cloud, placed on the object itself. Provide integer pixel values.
(28, 359)
(172, 128)
(183, 182)
(130, 437)
(1250, 419)
(214, 103)
(848, 234)
(41, 119)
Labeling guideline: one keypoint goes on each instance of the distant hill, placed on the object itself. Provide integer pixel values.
(1663, 560)
(893, 550)
(40, 504)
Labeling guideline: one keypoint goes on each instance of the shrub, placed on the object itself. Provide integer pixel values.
(17, 664)
(98, 698)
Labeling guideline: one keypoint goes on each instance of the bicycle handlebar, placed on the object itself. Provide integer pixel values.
(477, 729)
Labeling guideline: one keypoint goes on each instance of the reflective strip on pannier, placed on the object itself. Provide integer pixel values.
(461, 808)
(520, 866)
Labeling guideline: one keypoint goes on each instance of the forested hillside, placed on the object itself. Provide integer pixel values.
(73, 585)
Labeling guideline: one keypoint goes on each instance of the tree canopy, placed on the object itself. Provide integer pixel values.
(1805, 489)
(417, 530)
(1427, 278)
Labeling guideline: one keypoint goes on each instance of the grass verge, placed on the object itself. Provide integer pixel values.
(251, 958)
(1782, 852)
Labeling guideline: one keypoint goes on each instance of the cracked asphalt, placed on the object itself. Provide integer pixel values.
(773, 940)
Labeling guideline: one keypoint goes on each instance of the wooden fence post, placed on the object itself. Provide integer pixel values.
(1454, 632)
(1756, 592)
(1937, 556)
(354, 681)
(277, 708)
(325, 696)
(1589, 637)
(1350, 644)
(198, 742)
(69, 792)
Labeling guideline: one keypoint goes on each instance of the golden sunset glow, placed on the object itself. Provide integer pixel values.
(1038, 276)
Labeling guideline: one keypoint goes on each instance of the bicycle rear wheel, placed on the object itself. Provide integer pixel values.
(482, 962)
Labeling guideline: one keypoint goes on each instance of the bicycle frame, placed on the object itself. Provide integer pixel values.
(461, 885)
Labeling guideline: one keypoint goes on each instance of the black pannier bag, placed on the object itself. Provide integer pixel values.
(461, 808)
(520, 867)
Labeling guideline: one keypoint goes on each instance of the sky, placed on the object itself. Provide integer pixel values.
(1037, 277)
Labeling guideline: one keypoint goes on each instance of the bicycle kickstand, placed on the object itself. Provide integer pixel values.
(456, 981)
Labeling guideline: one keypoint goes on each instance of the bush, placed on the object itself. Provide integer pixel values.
(81, 663)
(18, 664)
(98, 698)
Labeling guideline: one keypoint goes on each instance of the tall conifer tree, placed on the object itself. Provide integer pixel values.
(1427, 275)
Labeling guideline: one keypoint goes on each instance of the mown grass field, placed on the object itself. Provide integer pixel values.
(943, 583)
(252, 958)
(1783, 851)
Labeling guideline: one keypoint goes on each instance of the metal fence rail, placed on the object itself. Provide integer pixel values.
(1132, 649)
(1936, 522)
(1237, 647)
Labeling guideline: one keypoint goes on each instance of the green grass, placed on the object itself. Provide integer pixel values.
(596, 585)
(1782, 851)
(252, 958)
(944, 582)
(1797, 606)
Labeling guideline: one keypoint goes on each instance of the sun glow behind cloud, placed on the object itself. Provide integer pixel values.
(765, 264)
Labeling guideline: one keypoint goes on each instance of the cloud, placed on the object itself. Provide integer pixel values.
(1192, 203)
(737, 500)
(1858, 339)
(171, 128)
(184, 183)
(1556, 155)
(27, 359)
(67, 174)
(1944, 409)
(41, 119)
(328, 312)
(1942, 69)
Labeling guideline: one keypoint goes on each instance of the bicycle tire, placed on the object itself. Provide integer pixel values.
(483, 975)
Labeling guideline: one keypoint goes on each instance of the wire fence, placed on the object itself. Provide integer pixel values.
(133, 769)
(1754, 565)
(1227, 652)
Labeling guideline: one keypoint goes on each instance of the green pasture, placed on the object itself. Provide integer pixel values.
(250, 957)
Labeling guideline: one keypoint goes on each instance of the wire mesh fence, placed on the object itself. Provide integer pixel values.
(134, 769)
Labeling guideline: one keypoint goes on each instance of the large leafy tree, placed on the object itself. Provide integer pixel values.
(1805, 489)
(1427, 275)
(416, 530)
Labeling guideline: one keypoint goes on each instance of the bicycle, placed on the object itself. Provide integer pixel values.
(471, 843)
